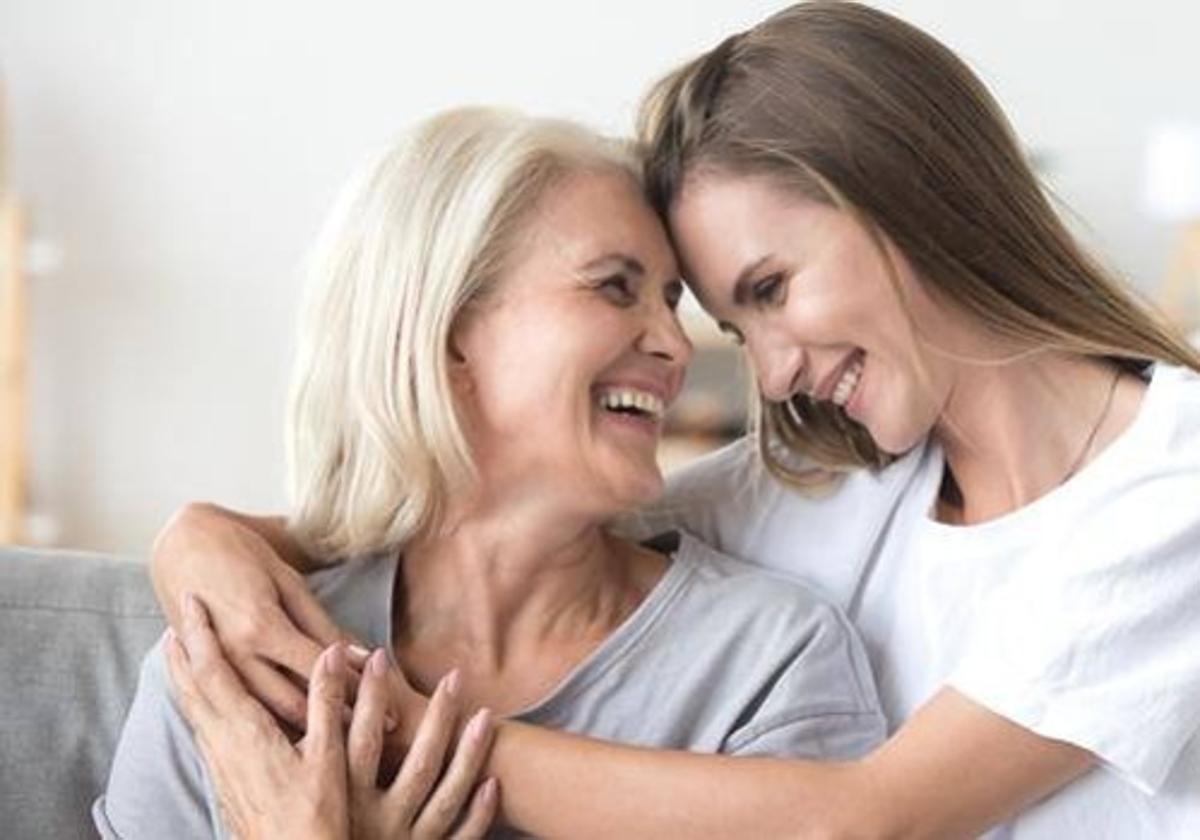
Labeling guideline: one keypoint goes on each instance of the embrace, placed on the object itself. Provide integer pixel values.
(947, 584)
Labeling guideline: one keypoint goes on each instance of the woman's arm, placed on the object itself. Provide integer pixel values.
(248, 570)
(953, 770)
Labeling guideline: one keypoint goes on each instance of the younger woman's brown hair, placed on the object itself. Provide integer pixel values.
(850, 106)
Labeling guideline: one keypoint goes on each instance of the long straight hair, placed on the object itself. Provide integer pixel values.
(850, 106)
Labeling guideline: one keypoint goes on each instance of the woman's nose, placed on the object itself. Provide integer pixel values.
(664, 337)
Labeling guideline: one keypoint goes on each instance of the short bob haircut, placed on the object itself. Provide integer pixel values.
(374, 442)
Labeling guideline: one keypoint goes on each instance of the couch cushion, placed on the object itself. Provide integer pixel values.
(73, 630)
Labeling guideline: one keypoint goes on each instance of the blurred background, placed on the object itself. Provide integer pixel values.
(164, 164)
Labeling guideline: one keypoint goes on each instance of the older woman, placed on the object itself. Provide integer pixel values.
(489, 348)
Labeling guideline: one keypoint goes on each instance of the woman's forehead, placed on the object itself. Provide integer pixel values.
(585, 219)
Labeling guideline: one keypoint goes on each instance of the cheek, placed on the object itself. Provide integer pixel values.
(531, 386)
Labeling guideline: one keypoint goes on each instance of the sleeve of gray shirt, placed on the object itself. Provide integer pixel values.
(157, 786)
(821, 705)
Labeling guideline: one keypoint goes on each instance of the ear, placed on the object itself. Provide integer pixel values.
(461, 378)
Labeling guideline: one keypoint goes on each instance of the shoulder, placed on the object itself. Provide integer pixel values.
(1172, 409)
(1097, 625)
(792, 654)
(732, 502)
(777, 616)
(1140, 500)
(740, 585)
(157, 785)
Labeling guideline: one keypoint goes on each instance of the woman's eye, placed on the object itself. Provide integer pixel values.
(617, 289)
(768, 290)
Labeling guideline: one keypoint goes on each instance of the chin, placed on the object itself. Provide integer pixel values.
(896, 440)
(642, 488)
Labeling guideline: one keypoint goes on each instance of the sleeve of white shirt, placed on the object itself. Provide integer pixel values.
(1096, 641)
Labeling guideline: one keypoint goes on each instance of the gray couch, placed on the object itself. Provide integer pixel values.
(73, 630)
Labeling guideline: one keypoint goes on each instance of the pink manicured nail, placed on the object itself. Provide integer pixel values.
(479, 724)
(452, 681)
(335, 660)
(378, 663)
(191, 608)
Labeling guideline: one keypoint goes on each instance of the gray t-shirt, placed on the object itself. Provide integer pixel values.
(721, 657)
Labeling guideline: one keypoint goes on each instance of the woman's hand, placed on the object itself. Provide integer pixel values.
(266, 786)
(262, 611)
(415, 804)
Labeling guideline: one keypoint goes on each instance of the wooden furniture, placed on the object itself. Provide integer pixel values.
(13, 308)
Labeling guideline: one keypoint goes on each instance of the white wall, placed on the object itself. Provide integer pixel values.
(181, 154)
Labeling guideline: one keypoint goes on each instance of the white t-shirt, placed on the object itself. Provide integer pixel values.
(1077, 616)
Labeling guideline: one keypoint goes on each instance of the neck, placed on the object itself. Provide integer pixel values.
(504, 582)
(1014, 432)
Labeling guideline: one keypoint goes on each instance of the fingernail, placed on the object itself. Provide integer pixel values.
(479, 724)
(357, 651)
(491, 788)
(191, 607)
(170, 634)
(378, 663)
(451, 683)
(335, 660)
(389, 723)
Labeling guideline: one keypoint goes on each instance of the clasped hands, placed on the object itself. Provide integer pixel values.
(329, 785)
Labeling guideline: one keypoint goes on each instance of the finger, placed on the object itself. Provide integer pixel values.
(305, 611)
(215, 678)
(276, 691)
(482, 813)
(308, 617)
(454, 790)
(357, 655)
(366, 726)
(425, 759)
(403, 701)
(324, 742)
(278, 640)
(188, 695)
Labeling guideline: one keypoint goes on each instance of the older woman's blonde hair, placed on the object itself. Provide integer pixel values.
(375, 447)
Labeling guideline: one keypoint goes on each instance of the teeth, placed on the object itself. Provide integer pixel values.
(618, 398)
(847, 384)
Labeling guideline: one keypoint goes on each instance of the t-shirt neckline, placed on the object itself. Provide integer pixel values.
(1058, 497)
(665, 591)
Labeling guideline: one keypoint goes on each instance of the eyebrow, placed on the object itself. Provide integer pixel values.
(627, 262)
(741, 286)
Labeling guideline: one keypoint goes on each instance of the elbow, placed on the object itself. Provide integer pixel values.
(191, 518)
